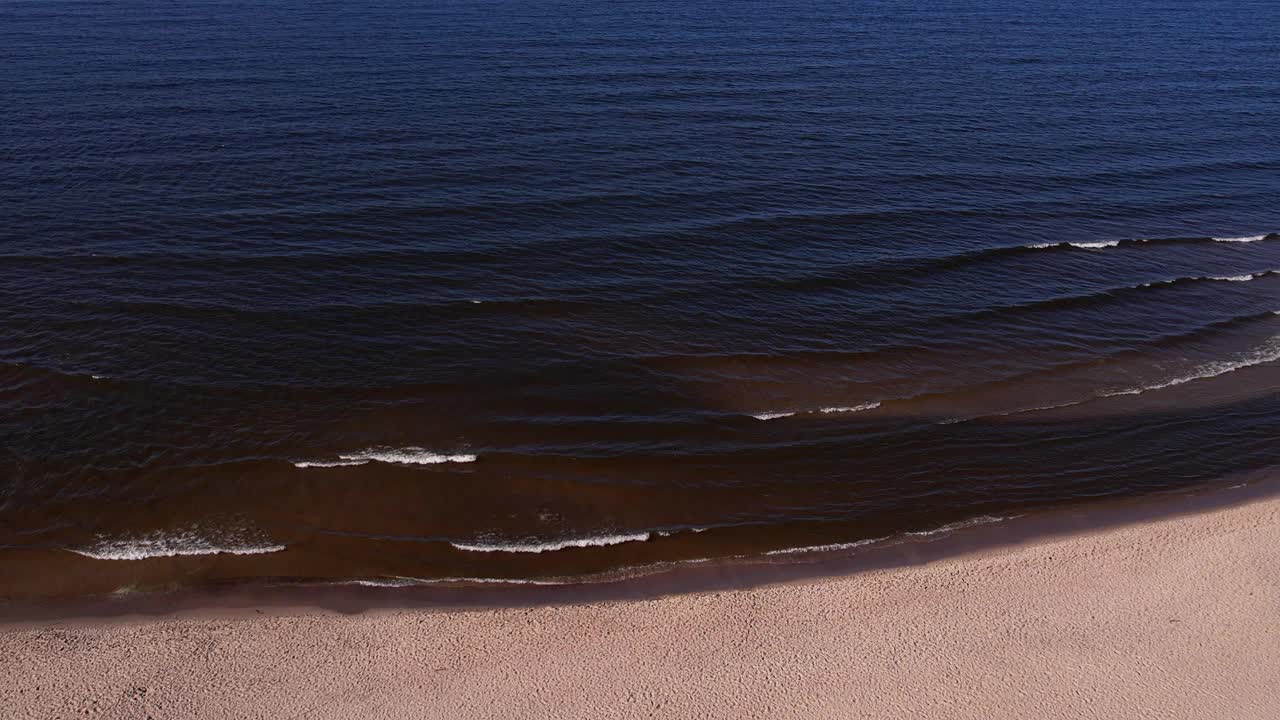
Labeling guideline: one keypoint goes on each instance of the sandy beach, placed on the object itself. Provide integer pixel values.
(1176, 618)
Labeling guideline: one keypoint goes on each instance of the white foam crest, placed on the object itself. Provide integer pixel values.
(407, 456)
(850, 409)
(183, 542)
(982, 520)
(400, 581)
(825, 411)
(1269, 352)
(1038, 408)
(772, 415)
(383, 582)
(493, 581)
(826, 548)
(554, 545)
(1224, 278)
(327, 463)
(1245, 239)
(1086, 245)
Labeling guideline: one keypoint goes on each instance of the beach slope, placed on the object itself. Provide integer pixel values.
(1174, 618)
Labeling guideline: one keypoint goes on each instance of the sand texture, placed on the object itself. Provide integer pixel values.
(1178, 618)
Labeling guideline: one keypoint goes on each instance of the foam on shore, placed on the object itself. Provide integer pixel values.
(553, 545)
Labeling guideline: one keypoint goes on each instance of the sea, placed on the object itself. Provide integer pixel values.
(486, 291)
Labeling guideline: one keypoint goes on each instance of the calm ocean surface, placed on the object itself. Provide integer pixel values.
(529, 290)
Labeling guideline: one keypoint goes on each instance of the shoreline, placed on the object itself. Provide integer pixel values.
(1172, 617)
(235, 600)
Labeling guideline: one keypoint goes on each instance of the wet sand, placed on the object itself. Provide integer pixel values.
(1178, 617)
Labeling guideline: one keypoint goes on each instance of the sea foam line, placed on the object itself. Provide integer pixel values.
(493, 581)
(827, 548)
(554, 545)
(825, 411)
(980, 520)
(949, 527)
(399, 581)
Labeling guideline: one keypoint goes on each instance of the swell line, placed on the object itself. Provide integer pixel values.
(900, 267)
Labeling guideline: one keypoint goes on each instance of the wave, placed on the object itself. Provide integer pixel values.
(949, 527)
(772, 415)
(832, 547)
(825, 411)
(493, 581)
(174, 544)
(327, 463)
(1270, 352)
(899, 269)
(850, 409)
(398, 581)
(980, 520)
(1096, 296)
(1099, 244)
(1085, 245)
(382, 582)
(1201, 278)
(401, 456)
(552, 546)
(1244, 239)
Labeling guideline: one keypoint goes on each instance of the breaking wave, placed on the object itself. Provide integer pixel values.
(1085, 245)
(824, 411)
(401, 456)
(1246, 277)
(1269, 352)
(191, 541)
(850, 409)
(1100, 244)
(327, 463)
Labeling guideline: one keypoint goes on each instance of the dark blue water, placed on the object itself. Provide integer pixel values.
(374, 290)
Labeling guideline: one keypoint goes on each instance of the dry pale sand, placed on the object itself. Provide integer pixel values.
(1178, 618)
